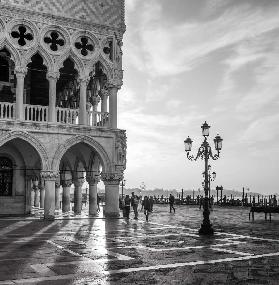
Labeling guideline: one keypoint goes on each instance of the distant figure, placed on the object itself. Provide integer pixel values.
(201, 201)
(98, 202)
(211, 201)
(151, 203)
(171, 202)
(274, 201)
(135, 204)
(225, 200)
(146, 206)
(127, 203)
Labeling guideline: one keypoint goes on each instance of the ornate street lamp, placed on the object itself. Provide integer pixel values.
(205, 153)
(211, 178)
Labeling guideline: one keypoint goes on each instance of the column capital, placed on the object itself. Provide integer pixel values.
(20, 71)
(112, 178)
(114, 84)
(79, 182)
(66, 183)
(35, 185)
(50, 175)
(103, 93)
(116, 80)
(84, 80)
(92, 180)
(52, 75)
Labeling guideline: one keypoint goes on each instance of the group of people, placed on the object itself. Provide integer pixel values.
(146, 205)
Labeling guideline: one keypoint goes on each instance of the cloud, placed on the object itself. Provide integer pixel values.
(170, 50)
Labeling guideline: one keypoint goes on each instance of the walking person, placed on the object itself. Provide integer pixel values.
(171, 202)
(127, 203)
(146, 206)
(151, 203)
(135, 204)
(201, 201)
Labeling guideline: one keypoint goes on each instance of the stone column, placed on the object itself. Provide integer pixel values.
(66, 195)
(52, 79)
(93, 182)
(36, 193)
(96, 101)
(82, 102)
(113, 106)
(104, 97)
(20, 75)
(42, 194)
(49, 208)
(29, 195)
(78, 195)
(111, 181)
(57, 195)
(32, 194)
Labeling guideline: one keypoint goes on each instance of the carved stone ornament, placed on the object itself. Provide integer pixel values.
(49, 175)
(112, 178)
(121, 148)
(92, 180)
(22, 35)
(79, 182)
(54, 40)
(66, 183)
(103, 93)
(19, 70)
(108, 49)
(84, 45)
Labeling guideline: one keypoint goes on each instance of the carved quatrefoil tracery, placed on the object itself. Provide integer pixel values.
(54, 40)
(22, 35)
(84, 45)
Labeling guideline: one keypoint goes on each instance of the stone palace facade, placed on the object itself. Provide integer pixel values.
(60, 72)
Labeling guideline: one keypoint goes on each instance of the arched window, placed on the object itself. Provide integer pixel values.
(6, 176)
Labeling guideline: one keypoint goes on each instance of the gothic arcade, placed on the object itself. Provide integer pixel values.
(60, 72)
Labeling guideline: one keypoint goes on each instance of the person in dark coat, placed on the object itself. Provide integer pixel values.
(171, 202)
(134, 204)
(146, 207)
(127, 204)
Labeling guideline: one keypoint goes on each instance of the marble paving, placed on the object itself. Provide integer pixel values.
(165, 250)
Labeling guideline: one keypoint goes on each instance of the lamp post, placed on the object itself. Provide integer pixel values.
(205, 153)
(122, 185)
(211, 178)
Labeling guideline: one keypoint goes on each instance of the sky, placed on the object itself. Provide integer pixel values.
(190, 61)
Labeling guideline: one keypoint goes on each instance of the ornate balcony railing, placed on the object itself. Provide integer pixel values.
(98, 119)
(7, 111)
(67, 116)
(35, 113)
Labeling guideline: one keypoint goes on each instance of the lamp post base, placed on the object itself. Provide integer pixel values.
(206, 229)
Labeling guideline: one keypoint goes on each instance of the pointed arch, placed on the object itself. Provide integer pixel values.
(48, 62)
(34, 142)
(78, 63)
(108, 69)
(15, 56)
(62, 149)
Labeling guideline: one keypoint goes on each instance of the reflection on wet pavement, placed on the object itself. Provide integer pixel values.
(166, 250)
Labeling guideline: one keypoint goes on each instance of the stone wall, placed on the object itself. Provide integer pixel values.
(103, 12)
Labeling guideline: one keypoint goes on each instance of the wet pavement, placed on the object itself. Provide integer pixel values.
(165, 250)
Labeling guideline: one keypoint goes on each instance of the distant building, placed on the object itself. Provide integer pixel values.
(61, 69)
